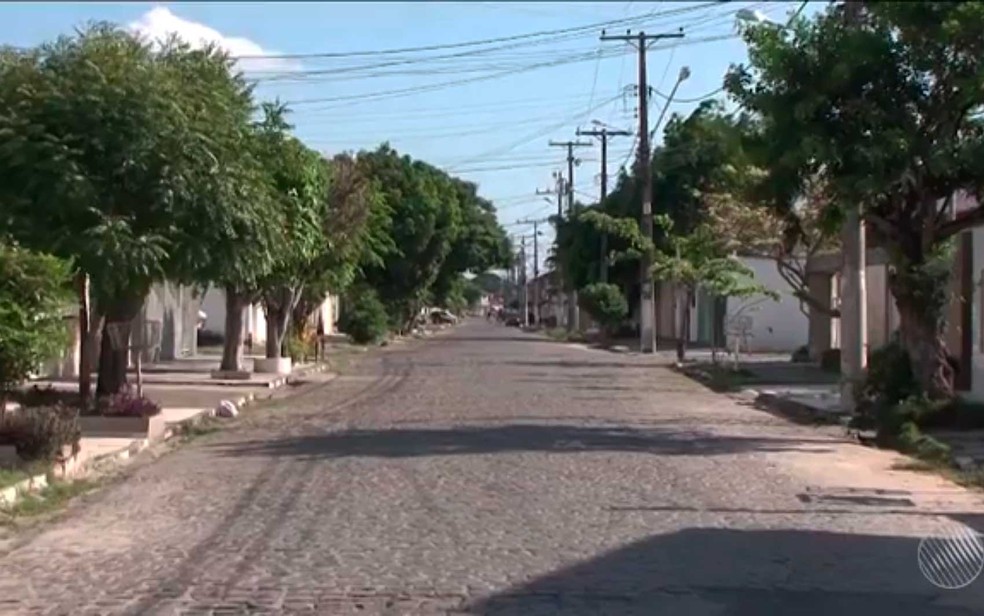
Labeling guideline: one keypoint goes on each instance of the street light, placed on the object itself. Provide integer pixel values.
(750, 16)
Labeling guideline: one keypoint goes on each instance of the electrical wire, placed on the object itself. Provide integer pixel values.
(479, 42)
(536, 135)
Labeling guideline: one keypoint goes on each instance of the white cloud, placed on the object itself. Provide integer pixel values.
(159, 22)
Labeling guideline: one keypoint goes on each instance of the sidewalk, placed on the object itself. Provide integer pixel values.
(185, 391)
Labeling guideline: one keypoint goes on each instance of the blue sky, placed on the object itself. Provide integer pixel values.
(494, 129)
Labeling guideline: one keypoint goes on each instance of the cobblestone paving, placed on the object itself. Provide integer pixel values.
(487, 471)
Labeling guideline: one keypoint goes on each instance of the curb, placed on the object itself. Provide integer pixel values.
(793, 410)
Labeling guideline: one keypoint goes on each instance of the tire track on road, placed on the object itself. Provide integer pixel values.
(267, 482)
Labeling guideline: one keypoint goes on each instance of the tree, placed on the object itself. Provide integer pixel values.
(697, 260)
(352, 202)
(35, 295)
(298, 182)
(424, 215)
(114, 151)
(882, 101)
(480, 244)
(606, 305)
(790, 238)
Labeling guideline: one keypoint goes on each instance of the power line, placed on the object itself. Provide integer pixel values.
(479, 42)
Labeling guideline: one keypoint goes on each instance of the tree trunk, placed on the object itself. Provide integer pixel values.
(85, 354)
(921, 293)
(232, 347)
(274, 337)
(113, 362)
(681, 347)
(924, 340)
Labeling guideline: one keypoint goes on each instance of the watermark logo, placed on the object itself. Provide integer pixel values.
(953, 558)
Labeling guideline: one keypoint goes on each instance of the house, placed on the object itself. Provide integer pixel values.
(761, 323)
(547, 303)
(254, 318)
(168, 321)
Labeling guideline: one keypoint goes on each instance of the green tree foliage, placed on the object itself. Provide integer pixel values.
(364, 316)
(114, 153)
(424, 216)
(354, 205)
(882, 100)
(606, 305)
(480, 244)
(696, 260)
(298, 181)
(35, 295)
(701, 155)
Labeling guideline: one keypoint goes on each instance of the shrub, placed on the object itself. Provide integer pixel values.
(40, 434)
(801, 355)
(34, 296)
(126, 403)
(299, 349)
(889, 379)
(364, 317)
(912, 441)
(36, 396)
(605, 303)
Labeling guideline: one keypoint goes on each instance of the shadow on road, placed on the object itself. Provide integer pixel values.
(402, 443)
(705, 571)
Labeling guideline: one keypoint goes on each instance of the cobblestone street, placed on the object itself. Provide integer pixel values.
(489, 471)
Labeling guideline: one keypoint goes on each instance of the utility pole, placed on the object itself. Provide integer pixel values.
(647, 300)
(572, 311)
(536, 264)
(853, 293)
(559, 191)
(604, 133)
(522, 281)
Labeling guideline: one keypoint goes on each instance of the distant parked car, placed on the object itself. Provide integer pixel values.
(443, 316)
(513, 321)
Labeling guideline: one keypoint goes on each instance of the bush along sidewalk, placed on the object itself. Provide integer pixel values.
(899, 413)
(36, 444)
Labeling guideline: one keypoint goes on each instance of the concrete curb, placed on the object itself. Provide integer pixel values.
(797, 411)
(793, 410)
(10, 495)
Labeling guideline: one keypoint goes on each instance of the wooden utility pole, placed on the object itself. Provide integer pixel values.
(647, 300)
(572, 312)
(536, 265)
(604, 134)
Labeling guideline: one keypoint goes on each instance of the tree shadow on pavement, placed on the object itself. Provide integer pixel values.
(724, 572)
(404, 443)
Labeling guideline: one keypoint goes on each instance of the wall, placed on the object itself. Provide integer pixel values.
(777, 326)
(174, 307)
(254, 321)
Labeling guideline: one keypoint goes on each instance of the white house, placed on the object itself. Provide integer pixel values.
(254, 319)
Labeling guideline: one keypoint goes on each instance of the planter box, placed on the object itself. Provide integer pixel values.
(150, 428)
(277, 365)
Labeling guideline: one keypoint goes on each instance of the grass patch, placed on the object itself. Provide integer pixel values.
(189, 431)
(52, 498)
(562, 335)
(967, 479)
(9, 477)
(720, 377)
